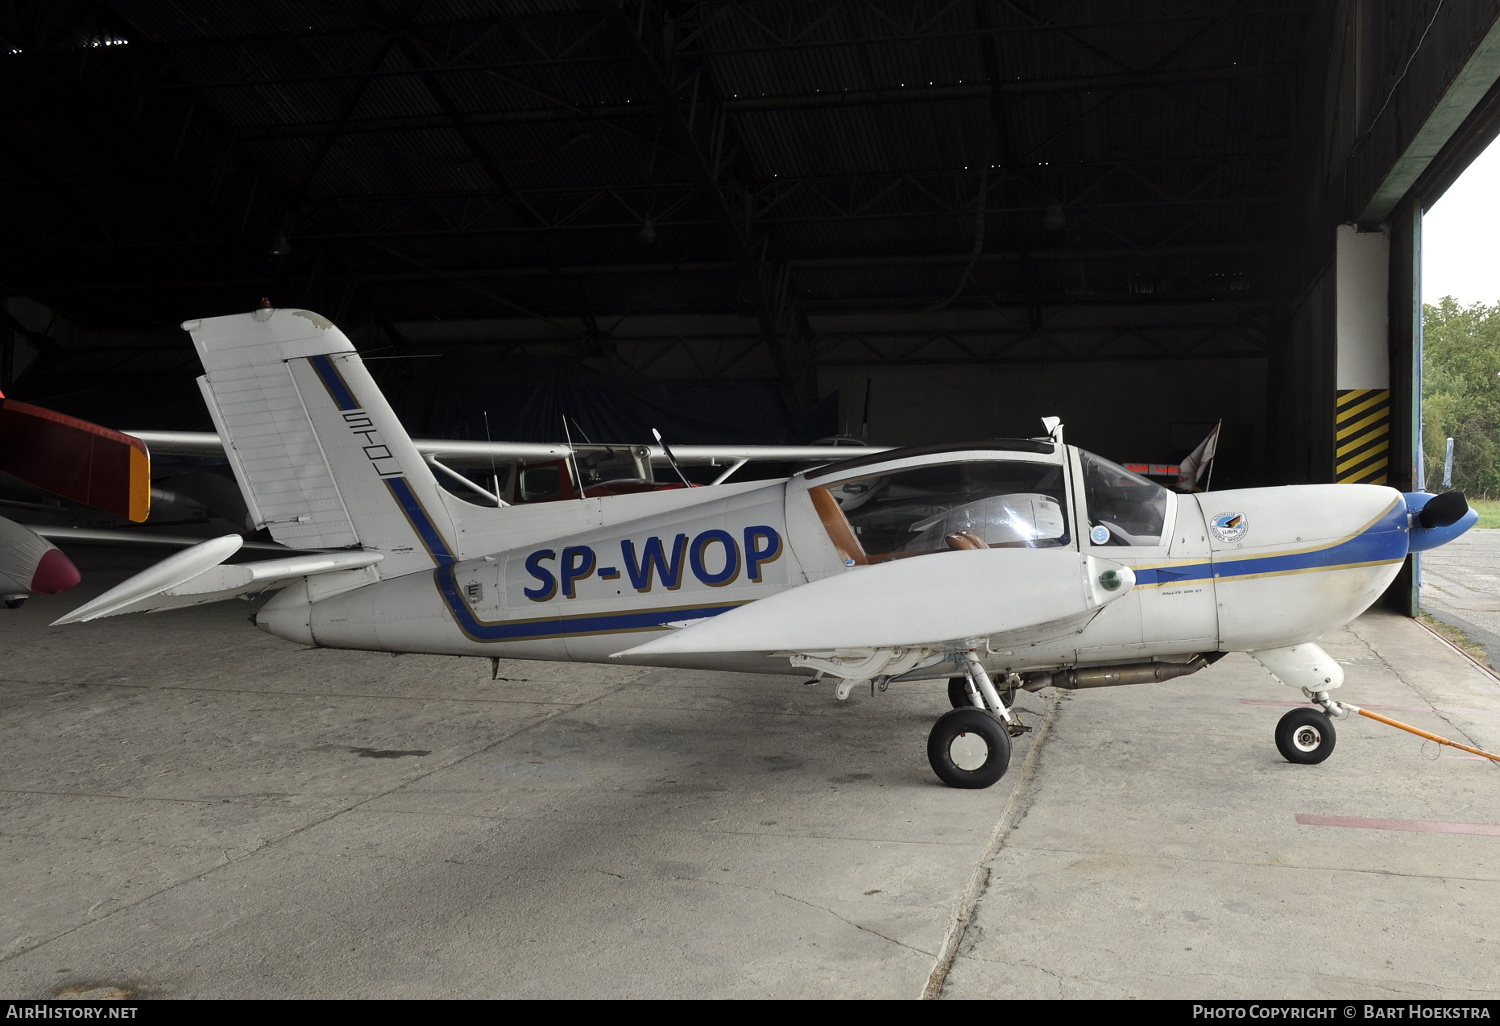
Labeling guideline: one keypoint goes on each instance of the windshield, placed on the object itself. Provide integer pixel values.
(596, 466)
(988, 504)
(1123, 508)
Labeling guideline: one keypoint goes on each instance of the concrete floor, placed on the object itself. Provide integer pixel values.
(189, 808)
(1461, 587)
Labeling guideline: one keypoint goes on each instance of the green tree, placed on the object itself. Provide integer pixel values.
(1461, 394)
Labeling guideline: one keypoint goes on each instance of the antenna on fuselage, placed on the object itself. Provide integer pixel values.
(494, 474)
(572, 458)
(1054, 428)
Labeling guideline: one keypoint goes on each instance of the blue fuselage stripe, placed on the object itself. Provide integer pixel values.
(523, 630)
(1385, 541)
(426, 529)
(334, 382)
(400, 488)
(1184, 574)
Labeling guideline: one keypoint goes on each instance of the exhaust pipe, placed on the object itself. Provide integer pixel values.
(1114, 676)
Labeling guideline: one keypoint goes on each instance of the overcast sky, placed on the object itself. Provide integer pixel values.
(1461, 236)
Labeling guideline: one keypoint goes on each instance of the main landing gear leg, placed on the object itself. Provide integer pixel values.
(969, 747)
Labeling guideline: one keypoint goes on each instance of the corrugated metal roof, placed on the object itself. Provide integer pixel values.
(519, 139)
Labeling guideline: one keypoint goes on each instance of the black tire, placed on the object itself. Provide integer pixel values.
(970, 724)
(15, 603)
(1305, 736)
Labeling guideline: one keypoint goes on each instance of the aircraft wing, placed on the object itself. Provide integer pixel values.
(466, 454)
(944, 597)
(761, 453)
(478, 455)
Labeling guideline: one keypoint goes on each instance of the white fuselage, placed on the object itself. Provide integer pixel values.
(1240, 570)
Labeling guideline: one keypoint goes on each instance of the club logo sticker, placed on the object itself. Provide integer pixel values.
(1228, 527)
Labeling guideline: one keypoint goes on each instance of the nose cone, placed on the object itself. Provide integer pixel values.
(1438, 519)
(54, 573)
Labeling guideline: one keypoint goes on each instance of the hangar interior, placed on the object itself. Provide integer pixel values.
(762, 221)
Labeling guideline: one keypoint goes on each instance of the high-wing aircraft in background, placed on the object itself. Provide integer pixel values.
(997, 565)
(522, 472)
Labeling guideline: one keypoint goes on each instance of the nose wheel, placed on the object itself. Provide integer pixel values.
(968, 748)
(1305, 736)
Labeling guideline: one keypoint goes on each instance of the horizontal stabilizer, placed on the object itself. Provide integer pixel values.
(135, 536)
(930, 599)
(84, 462)
(196, 576)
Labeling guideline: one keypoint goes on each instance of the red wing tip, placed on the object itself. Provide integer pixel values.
(54, 573)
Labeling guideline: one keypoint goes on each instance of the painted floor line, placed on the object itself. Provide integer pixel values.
(1419, 826)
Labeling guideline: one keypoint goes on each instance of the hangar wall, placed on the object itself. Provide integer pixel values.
(1409, 96)
(1408, 90)
(1140, 203)
(1125, 411)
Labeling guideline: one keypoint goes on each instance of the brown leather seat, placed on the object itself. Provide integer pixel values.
(965, 539)
(837, 526)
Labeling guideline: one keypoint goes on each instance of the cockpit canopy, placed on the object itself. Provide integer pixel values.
(996, 502)
(978, 504)
(1130, 508)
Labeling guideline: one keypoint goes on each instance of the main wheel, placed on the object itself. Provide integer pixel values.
(968, 748)
(1305, 736)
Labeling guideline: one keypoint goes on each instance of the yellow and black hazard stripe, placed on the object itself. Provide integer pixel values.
(1362, 446)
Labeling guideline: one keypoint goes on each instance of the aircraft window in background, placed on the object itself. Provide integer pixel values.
(982, 504)
(540, 483)
(1129, 507)
(600, 467)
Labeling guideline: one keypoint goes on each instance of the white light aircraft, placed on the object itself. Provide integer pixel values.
(999, 565)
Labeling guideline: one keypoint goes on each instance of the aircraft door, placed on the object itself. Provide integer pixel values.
(1161, 536)
(1120, 517)
(1179, 601)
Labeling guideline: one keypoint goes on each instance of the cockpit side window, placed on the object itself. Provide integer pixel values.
(1123, 508)
(988, 504)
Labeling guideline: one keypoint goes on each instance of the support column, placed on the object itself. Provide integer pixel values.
(1362, 424)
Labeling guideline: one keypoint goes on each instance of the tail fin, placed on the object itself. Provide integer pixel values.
(319, 454)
